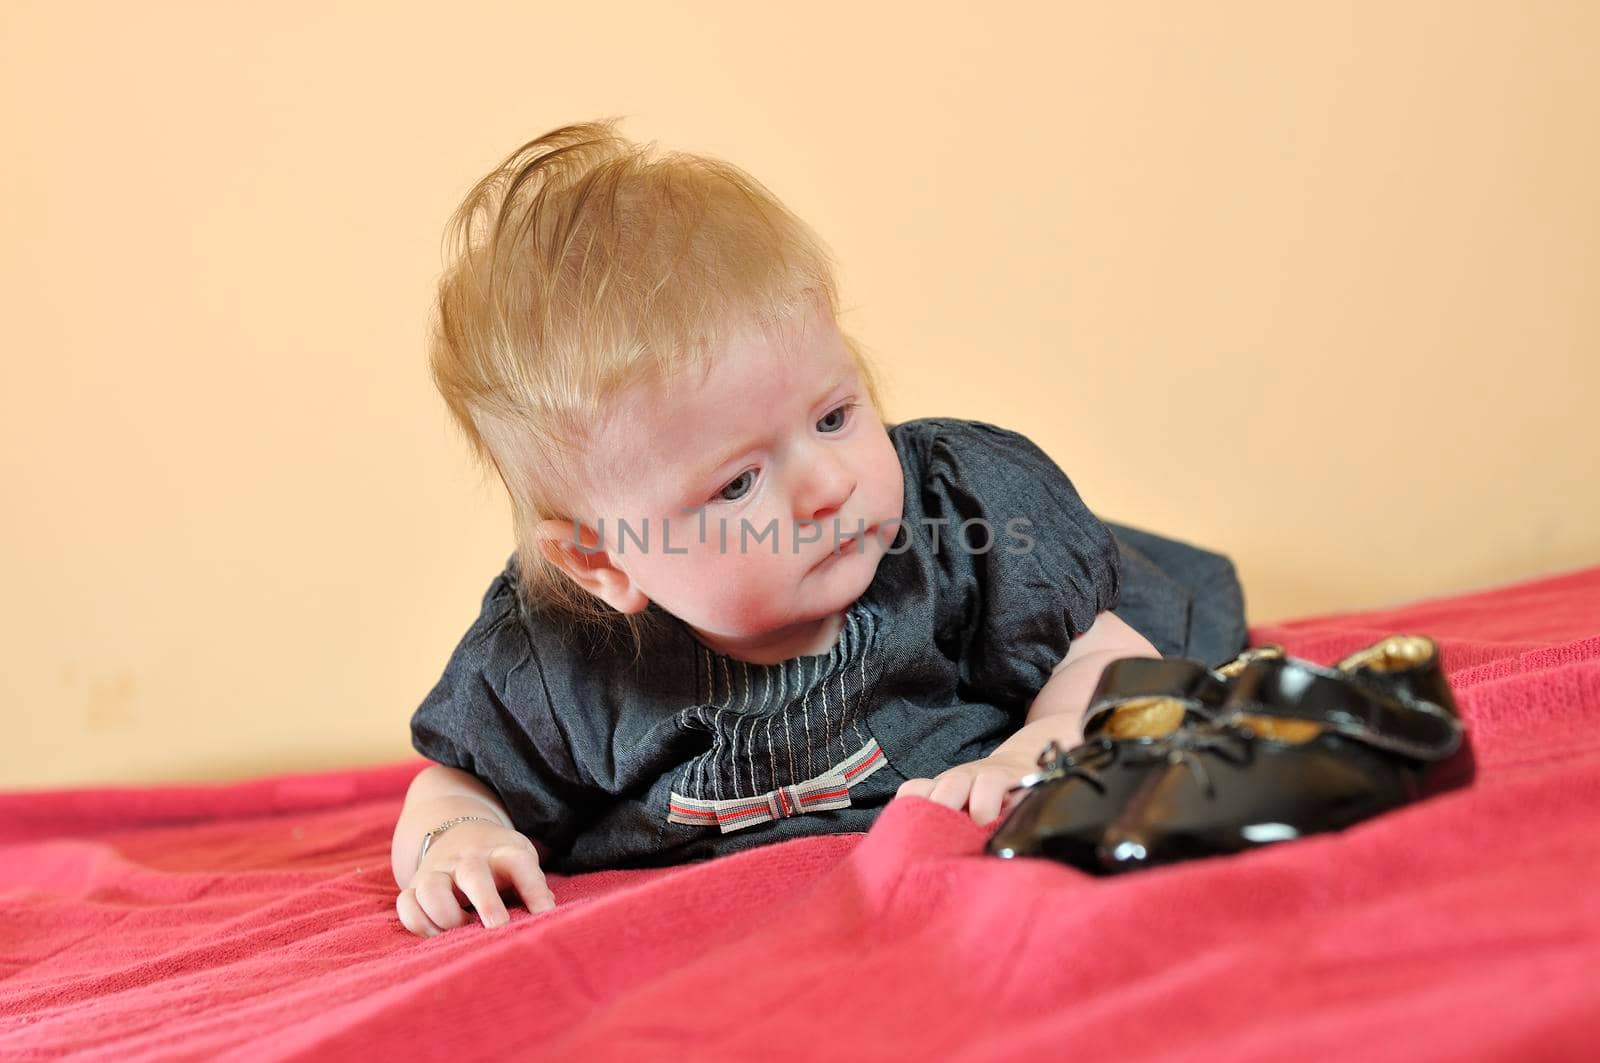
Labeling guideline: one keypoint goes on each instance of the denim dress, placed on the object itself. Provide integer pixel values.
(678, 753)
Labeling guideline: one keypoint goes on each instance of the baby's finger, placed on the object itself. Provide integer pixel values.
(951, 789)
(476, 881)
(521, 866)
(988, 791)
(436, 893)
(412, 917)
(915, 788)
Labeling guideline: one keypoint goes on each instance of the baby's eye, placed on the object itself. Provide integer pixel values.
(836, 417)
(723, 495)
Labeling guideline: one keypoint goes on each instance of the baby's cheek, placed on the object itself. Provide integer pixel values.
(742, 579)
(710, 576)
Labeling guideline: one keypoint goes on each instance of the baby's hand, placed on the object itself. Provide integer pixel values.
(980, 786)
(472, 861)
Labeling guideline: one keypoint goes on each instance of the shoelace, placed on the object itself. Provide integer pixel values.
(1057, 763)
(1182, 746)
(1226, 739)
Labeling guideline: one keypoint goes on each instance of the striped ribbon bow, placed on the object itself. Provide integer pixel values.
(831, 789)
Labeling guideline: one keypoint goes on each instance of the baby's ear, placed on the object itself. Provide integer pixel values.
(577, 550)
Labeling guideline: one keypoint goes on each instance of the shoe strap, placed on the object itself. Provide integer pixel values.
(1128, 678)
(1289, 687)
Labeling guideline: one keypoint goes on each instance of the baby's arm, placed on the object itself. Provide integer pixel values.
(1058, 710)
(1056, 713)
(474, 857)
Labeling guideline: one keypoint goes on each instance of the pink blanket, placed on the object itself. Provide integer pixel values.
(258, 919)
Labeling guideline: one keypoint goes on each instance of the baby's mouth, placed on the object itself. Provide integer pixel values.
(854, 543)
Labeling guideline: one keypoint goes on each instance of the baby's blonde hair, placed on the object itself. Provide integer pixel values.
(579, 266)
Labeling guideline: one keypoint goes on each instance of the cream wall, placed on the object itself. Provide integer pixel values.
(1312, 284)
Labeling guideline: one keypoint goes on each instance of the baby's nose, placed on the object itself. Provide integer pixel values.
(826, 484)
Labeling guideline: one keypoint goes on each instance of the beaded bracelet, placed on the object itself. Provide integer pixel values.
(427, 839)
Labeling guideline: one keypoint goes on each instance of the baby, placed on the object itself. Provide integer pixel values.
(742, 608)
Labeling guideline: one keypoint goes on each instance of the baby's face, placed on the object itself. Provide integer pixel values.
(748, 474)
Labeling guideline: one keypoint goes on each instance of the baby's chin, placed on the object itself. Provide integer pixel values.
(823, 592)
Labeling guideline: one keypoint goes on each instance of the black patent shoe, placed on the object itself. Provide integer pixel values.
(1296, 749)
(1408, 668)
(1077, 793)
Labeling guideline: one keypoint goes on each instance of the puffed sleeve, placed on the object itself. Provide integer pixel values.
(1050, 568)
(490, 714)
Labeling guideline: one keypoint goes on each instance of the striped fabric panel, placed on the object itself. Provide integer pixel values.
(752, 710)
